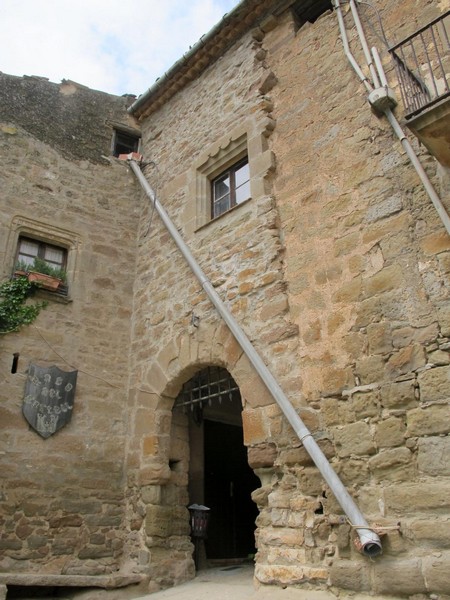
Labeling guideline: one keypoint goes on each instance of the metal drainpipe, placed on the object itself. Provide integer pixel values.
(364, 45)
(386, 109)
(370, 543)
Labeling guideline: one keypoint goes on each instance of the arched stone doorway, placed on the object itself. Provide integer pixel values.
(209, 406)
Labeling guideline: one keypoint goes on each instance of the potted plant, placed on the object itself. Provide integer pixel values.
(42, 273)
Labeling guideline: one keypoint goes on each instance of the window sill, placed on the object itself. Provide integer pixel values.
(61, 296)
(227, 212)
(54, 296)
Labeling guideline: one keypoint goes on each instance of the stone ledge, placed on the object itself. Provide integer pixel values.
(51, 580)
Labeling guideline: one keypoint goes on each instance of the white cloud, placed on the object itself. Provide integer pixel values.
(111, 45)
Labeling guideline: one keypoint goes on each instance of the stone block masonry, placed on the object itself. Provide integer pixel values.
(352, 321)
(62, 500)
(337, 268)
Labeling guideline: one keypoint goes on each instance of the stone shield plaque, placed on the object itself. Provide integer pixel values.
(49, 398)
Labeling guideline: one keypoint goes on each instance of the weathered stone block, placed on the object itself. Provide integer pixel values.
(310, 481)
(408, 336)
(439, 358)
(289, 575)
(399, 395)
(436, 570)
(385, 208)
(144, 421)
(406, 360)
(404, 498)
(262, 455)
(37, 541)
(281, 498)
(352, 471)
(389, 278)
(349, 292)
(299, 456)
(335, 380)
(281, 536)
(393, 465)
(435, 243)
(398, 577)
(432, 533)
(390, 432)
(255, 426)
(355, 438)
(444, 319)
(364, 404)
(433, 456)
(350, 575)
(94, 552)
(368, 311)
(370, 369)
(379, 338)
(434, 384)
(164, 521)
(428, 421)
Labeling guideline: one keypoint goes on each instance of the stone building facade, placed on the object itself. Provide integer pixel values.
(336, 266)
(62, 498)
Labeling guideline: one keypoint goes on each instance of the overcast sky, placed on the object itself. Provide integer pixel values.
(117, 46)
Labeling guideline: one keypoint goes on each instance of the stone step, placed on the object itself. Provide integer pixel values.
(51, 580)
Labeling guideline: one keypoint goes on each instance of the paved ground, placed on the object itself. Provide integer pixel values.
(221, 583)
(231, 583)
(236, 583)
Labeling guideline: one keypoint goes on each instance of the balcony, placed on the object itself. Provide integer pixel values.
(422, 63)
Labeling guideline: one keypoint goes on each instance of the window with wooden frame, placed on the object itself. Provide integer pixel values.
(230, 188)
(29, 249)
(43, 263)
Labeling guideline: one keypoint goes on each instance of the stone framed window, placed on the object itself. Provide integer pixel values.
(245, 143)
(212, 172)
(28, 249)
(29, 239)
(43, 263)
(230, 188)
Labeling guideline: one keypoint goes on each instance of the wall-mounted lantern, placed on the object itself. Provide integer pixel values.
(199, 517)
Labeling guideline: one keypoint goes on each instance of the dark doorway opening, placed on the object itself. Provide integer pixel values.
(220, 477)
(229, 482)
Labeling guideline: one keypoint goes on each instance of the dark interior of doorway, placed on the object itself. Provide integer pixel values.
(229, 482)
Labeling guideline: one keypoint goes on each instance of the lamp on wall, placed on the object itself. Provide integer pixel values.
(199, 517)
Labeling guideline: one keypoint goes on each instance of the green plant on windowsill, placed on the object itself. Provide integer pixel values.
(41, 266)
(15, 310)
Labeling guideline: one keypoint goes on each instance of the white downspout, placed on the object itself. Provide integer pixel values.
(370, 543)
(382, 100)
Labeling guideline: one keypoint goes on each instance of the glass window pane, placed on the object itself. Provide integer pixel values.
(54, 255)
(243, 192)
(28, 250)
(221, 205)
(221, 187)
(29, 247)
(242, 175)
(28, 260)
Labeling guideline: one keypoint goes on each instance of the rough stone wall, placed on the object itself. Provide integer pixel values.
(337, 273)
(242, 254)
(336, 270)
(72, 118)
(366, 268)
(62, 506)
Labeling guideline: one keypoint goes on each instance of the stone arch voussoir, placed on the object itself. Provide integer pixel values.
(211, 344)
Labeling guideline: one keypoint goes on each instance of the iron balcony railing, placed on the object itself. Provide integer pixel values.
(422, 62)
